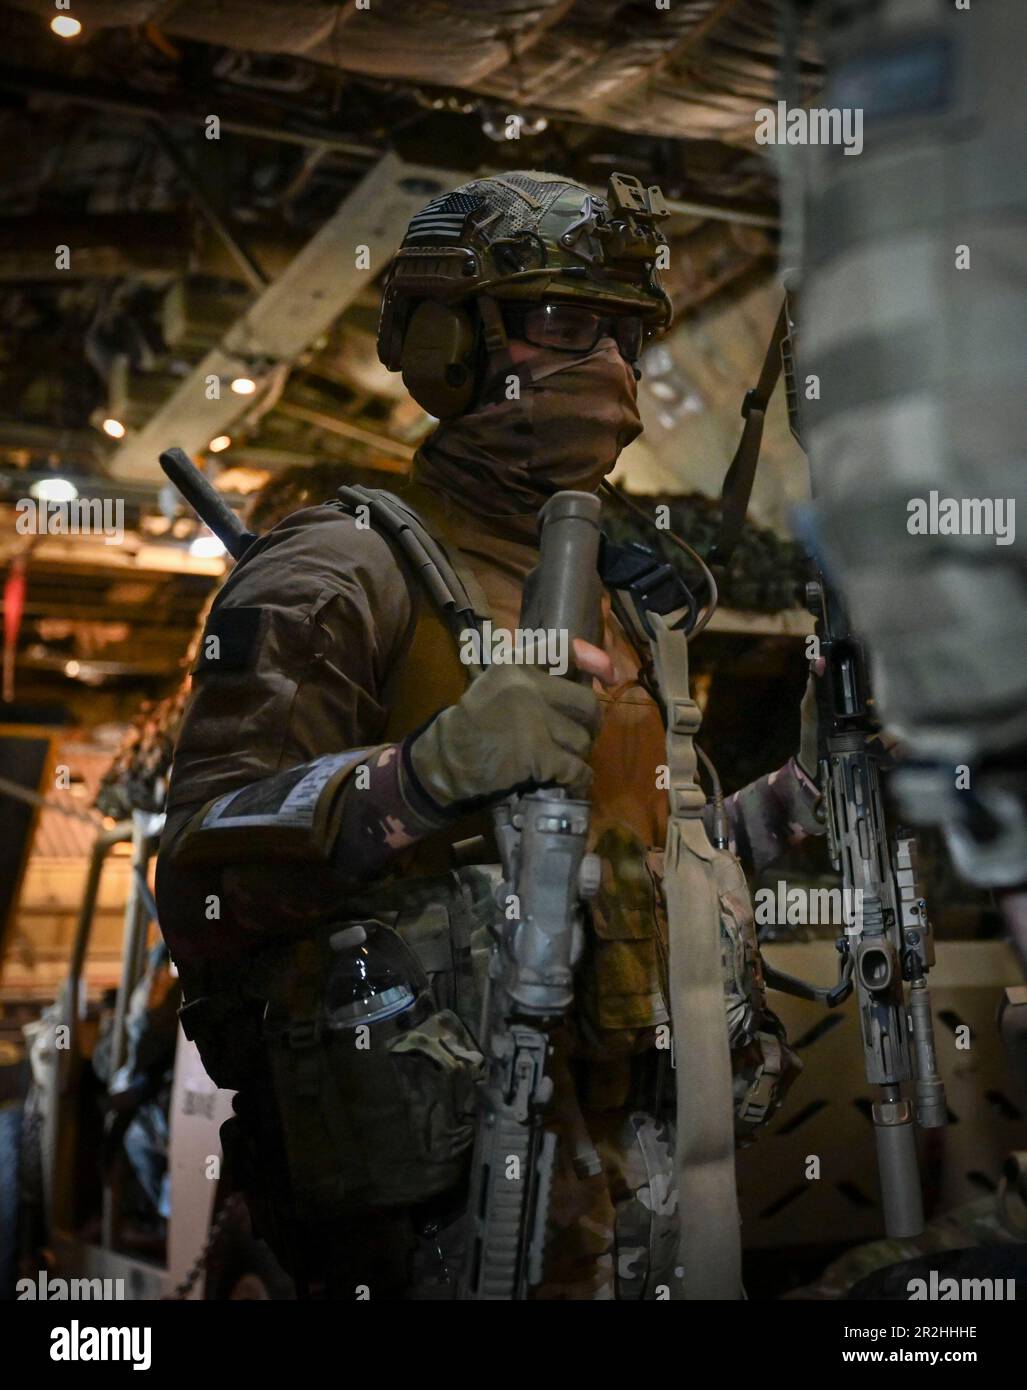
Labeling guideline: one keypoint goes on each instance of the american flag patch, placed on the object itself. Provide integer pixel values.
(444, 217)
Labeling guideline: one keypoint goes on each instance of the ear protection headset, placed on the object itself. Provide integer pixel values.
(441, 358)
(444, 352)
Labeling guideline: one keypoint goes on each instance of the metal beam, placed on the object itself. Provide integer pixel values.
(287, 128)
(134, 557)
(300, 305)
(251, 271)
(241, 118)
(335, 424)
(15, 483)
(144, 245)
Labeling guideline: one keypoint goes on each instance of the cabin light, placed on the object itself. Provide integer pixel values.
(54, 490)
(65, 26)
(114, 428)
(206, 547)
(219, 443)
(72, 668)
(244, 386)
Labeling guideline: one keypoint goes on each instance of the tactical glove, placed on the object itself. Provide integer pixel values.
(515, 725)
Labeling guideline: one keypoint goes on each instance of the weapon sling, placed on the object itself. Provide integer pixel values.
(710, 1262)
(741, 473)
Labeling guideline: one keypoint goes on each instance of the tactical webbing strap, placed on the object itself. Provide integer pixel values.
(710, 1254)
(709, 1264)
(738, 481)
(450, 585)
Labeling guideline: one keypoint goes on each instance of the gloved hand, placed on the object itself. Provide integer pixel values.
(513, 725)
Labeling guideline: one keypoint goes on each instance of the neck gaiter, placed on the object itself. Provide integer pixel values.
(503, 459)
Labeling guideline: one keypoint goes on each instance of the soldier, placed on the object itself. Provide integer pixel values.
(329, 694)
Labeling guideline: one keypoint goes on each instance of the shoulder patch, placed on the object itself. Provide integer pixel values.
(230, 641)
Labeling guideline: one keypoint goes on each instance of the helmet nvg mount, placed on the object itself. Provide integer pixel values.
(521, 238)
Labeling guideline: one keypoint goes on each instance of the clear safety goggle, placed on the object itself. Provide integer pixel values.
(574, 328)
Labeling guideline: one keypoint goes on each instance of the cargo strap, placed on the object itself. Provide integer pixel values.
(709, 1265)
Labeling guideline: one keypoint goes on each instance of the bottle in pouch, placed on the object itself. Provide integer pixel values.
(375, 1092)
(374, 976)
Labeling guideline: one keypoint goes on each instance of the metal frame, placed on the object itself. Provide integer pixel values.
(81, 1258)
(289, 314)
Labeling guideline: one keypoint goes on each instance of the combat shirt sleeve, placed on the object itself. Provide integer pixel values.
(769, 814)
(295, 656)
(293, 667)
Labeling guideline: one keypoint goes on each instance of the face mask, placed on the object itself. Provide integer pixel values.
(504, 458)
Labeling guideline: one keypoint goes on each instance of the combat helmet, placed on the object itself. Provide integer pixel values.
(498, 245)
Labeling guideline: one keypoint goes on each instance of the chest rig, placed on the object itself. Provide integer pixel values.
(710, 945)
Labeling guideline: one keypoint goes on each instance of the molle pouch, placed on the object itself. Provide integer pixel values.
(449, 921)
(227, 1032)
(763, 1065)
(623, 979)
(438, 1066)
(375, 1086)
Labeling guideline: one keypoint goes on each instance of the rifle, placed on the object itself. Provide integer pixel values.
(207, 502)
(888, 943)
(542, 838)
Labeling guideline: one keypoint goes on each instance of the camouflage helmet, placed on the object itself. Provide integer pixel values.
(528, 236)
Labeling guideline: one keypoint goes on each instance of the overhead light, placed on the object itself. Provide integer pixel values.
(114, 428)
(72, 668)
(221, 442)
(65, 26)
(662, 390)
(657, 361)
(244, 386)
(206, 547)
(54, 490)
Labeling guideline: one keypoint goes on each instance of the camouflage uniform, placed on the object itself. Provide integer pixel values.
(330, 663)
(998, 1219)
(327, 642)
